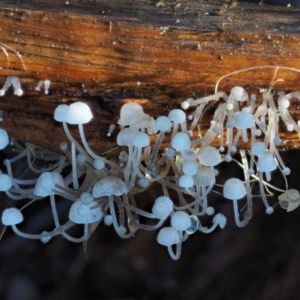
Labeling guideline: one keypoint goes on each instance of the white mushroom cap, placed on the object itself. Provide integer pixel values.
(283, 102)
(209, 156)
(220, 219)
(181, 221)
(46, 183)
(83, 213)
(3, 139)
(244, 119)
(86, 198)
(162, 207)
(110, 185)
(258, 148)
(177, 116)
(186, 181)
(234, 189)
(204, 176)
(12, 216)
(5, 182)
(170, 153)
(125, 136)
(141, 139)
(168, 236)
(181, 141)
(143, 182)
(163, 123)
(266, 163)
(98, 164)
(131, 113)
(79, 113)
(80, 159)
(238, 93)
(60, 113)
(190, 167)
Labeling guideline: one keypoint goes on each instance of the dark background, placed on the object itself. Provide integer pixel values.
(260, 261)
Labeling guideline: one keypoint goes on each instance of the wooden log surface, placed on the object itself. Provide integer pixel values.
(157, 53)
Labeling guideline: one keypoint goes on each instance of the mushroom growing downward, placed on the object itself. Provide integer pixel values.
(234, 189)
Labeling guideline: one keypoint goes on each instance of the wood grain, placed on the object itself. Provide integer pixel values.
(156, 53)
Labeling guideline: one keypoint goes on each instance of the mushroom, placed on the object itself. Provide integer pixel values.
(111, 186)
(83, 212)
(13, 216)
(218, 220)
(234, 189)
(162, 124)
(243, 121)
(162, 207)
(167, 237)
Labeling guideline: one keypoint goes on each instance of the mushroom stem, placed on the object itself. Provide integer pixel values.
(176, 256)
(236, 215)
(208, 230)
(91, 153)
(74, 166)
(115, 222)
(55, 232)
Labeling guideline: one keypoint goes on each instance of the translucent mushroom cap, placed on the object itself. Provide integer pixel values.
(12, 216)
(209, 156)
(3, 139)
(84, 213)
(162, 207)
(60, 113)
(238, 93)
(125, 137)
(244, 119)
(78, 113)
(5, 182)
(46, 183)
(177, 116)
(86, 198)
(181, 221)
(283, 103)
(181, 141)
(266, 163)
(234, 189)
(220, 219)
(141, 139)
(186, 181)
(204, 177)
(258, 148)
(168, 236)
(110, 185)
(163, 123)
(190, 167)
(131, 113)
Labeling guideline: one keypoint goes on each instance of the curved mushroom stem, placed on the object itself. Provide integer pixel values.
(50, 234)
(151, 227)
(118, 228)
(269, 209)
(208, 230)
(57, 224)
(91, 153)
(176, 255)
(236, 215)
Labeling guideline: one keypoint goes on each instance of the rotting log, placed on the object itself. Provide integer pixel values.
(157, 53)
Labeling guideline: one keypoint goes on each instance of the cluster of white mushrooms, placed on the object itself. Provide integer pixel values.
(184, 173)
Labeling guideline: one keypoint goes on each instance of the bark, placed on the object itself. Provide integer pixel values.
(157, 53)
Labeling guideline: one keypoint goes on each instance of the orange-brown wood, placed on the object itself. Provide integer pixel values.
(155, 52)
